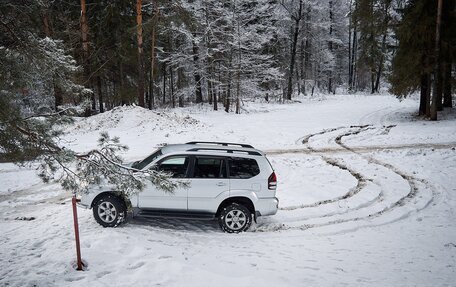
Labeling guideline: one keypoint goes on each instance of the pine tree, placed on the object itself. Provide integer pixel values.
(414, 64)
(372, 20)
(31, 66)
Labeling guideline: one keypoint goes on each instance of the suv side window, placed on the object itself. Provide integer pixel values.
(243, 168)
(177, 165)
(209, 167)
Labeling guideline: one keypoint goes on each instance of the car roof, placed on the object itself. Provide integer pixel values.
(213, 148)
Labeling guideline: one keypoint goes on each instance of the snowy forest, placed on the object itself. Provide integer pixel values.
(155, 53)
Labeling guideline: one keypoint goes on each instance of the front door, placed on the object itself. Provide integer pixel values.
(154, 198)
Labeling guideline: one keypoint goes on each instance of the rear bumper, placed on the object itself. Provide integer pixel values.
(267, 206)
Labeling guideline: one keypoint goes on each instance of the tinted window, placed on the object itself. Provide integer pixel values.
(243, 168)
(209, 168)
(175, 165)
(142, 164)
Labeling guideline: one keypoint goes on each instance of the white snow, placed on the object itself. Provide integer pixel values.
(366, 189)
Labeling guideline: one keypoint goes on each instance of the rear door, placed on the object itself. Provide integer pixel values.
(209, 184)
(244, 174)
(153, 198)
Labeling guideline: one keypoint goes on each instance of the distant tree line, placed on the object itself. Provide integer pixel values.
(160, 53)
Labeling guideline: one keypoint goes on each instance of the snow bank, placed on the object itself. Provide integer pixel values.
(134, 117)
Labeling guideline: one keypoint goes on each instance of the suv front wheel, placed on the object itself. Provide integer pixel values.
(235, 218)
(109, 211)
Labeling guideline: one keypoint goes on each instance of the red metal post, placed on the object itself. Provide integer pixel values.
(76, 234)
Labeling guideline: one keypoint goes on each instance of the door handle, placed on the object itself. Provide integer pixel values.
(221, 184)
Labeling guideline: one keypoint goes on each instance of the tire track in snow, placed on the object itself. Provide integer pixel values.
(361, 184)
(412, 182)
(361, 181)
(412, 193)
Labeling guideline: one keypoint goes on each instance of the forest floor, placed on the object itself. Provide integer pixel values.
(366, 189)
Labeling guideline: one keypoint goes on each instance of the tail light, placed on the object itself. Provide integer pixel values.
(272, 181)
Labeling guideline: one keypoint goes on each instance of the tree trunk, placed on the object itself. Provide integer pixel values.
(447, 10)
(302, 87)
(308, 53)
(152, 67)
(100, 94)
(164, 83)
(84, 31)
(447, 100)
(330, 46)
(307, 50)
(228, 92)
(112, 103)
(440, 85)
(123, 98)
(198, 90)
(140, 53)
(215, 102)
(350, 47)
(238, 80)
(217, 95)
(353, 86)
(227, 101)
(180, 85)
(293, 52)
(383, 46)
(209, 56)
(424, 94)
(372, 82)
(209, 88)
(58, 97)
(380, 64)
(437, 69)
(428, 95)
(171, 83)
(85, 51)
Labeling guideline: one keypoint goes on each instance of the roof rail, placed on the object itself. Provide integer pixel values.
(226, 150)
(223, 144)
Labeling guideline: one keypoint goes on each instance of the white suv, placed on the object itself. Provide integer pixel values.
(229, 182)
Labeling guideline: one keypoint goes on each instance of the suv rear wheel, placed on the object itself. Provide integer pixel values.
(235, 218)
(109, 211)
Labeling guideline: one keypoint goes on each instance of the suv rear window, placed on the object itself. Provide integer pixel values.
(206, 167)
(243, 167)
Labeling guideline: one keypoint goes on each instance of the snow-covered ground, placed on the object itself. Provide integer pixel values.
(367, 198)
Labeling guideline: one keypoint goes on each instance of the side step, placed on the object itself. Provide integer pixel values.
(175, 214)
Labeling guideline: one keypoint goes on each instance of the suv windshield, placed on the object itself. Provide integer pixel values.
(142, 164)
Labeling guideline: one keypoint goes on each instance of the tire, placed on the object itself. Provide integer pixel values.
(235, 218)
(109, 210)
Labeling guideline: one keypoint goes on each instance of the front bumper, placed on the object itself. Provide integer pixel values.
(85, 200)
(85, 206)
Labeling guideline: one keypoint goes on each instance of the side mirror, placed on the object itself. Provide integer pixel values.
(133, 165)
